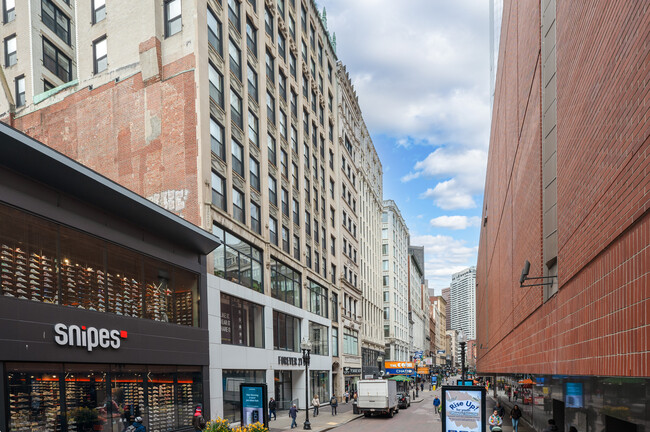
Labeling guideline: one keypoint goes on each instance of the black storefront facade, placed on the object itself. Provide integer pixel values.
(102, 300)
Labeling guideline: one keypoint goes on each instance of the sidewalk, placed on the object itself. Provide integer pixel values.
(323, 422)
(524, 426)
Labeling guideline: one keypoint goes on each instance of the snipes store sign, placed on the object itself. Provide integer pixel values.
(88, 337)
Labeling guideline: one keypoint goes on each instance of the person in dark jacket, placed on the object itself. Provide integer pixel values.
(334, 403)
(515, 415)
(272, 407)
(198, 422)
(500, 409)
(552, 427)
(293, 412)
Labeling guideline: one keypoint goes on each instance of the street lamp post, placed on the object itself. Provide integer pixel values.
(462, 342)
(306, 349)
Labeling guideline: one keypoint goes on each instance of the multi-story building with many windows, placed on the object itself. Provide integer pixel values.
(418, 317)
(463, 302)
(224, 112)
(439, 313)
(395, 282)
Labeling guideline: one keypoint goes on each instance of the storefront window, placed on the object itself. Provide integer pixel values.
(38, 391)
(283, 389)
(242, 322)
(318, 338)
(86, 398)
(90, 273)
(335, 342)
(285, 283)
(317, 298)
(34, 396)
(286, 332)
(238, 261)
(231, 380)
(320, 384)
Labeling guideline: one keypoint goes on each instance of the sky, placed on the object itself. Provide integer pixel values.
(421, 71)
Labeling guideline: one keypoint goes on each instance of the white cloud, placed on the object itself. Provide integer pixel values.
(444, 256)
(455, 222)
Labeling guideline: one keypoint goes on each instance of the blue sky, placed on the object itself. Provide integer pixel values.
(421, 72)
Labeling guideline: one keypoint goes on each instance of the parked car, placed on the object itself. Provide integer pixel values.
(403, 400)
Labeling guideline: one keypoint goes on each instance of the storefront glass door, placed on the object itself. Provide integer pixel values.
(283, 389)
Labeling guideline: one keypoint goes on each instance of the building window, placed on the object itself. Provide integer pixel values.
(350, 342)
(308, 256)
(270, 107)
(233, 14)
(173, 22)
(254, 168)
(270, 143)
(255, 218)
(55, 20)
(238, 261)
(333, 275)
(214, 32)
(307, 223)
(285, 283)
(335, 342)
(236, 108)
(219, 191)
(238, 211)
(386, 280)
(284, 163)
(251, 37)
(294, 174)
(317, 299)
(100, 55)
(286, 332)
(237, 157)
(99, 10)
(10, 51)
(216, 139)
(252, 82)
(268, 22)
(20, 91)
(285, 240)
(235, 59)
(270, 67)
(216, 85)
(284, 195)
(273, 191)
(292, 64)
(292, 26)
(56, 62)
(283, 124)
(384, 249)
(253, 126)
(320, 379)
(242, 322)
(303, 18)
(296, 247)
(319, 339)
(231, 380)
(47, 85)
(9, 10)
(294, 108)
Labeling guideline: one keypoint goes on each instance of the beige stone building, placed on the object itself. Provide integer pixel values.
(439, 313)
(225, 112)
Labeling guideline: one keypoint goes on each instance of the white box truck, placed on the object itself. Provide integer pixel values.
(377, 397)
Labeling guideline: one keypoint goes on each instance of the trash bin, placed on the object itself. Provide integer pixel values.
(355, 409)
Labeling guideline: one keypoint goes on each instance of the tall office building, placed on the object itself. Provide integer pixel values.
(395, 282)
(418, 316)
(226, 113)
(463, 302)
(566, 190)
(439, 312)
(446, 294)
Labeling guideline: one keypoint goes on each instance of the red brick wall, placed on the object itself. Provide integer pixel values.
(106, 129)
(598, 322)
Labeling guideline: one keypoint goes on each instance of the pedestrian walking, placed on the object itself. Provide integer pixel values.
(436, 405)
(515, 415)
(499, 408)
(347, 396)
(422, 386)
(272, 407)
(495, 420)
(293, 412)
(315, 403)
(509, 393)
(198, 422)
(334, 403)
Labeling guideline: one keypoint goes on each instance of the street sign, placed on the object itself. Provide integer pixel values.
(441, 351)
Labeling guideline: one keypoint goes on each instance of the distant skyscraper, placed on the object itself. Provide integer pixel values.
(463, 302)
(446, 294)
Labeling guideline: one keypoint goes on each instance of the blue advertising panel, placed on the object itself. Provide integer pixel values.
(253, 404)
(403, 371)
(463, 409)
(573, 395)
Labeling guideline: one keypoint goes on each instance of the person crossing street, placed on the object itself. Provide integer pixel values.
(436, 405)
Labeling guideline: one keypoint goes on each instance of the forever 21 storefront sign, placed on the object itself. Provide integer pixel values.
(88, 337)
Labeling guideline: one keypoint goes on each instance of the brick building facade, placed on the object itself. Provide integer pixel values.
(567, 190)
